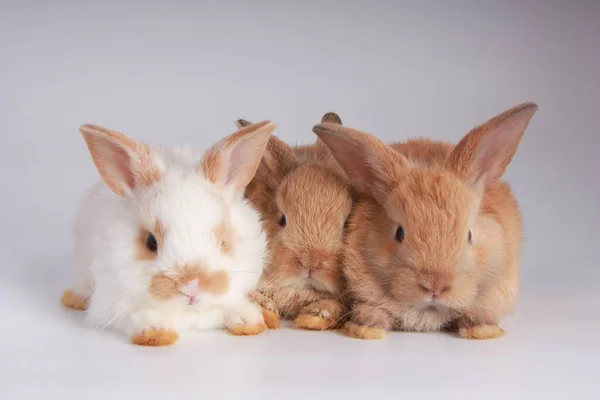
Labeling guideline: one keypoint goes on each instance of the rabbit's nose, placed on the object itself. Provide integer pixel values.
(312, 265)
(190, 288)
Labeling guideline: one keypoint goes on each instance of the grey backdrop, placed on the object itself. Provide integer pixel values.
(184, 71)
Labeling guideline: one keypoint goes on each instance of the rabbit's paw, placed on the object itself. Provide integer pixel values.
(155, 337)
(271, 319)
(245, 320)
(72, 300)
(479, 326)
(367, 322)
(356, 331)
(319, 316)
(481, 332)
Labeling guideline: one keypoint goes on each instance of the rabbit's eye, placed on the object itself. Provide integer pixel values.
(151, 243)
(400, 234)
(470, 237)
(282, 220)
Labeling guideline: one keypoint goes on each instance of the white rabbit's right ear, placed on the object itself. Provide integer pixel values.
(123, 163)
(370, 164)
(232, 162)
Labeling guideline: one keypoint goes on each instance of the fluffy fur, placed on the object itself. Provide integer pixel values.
(455, 262)
(304, 185)
(209, 243)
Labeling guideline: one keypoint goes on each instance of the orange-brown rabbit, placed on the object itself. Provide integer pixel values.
(434, 240)
(305, 200)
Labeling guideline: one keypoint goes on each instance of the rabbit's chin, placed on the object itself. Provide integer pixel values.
(310, 283)
(427, 317)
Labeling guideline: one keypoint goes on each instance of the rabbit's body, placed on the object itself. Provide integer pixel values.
(304, 199)
(180, 250)
(435, 235)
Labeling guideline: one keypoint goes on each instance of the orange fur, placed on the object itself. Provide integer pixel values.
(305, 185)
(363, 332)
(165, 287)
(437, 193)
(225, 235)
(247, 330)
(155, 337)
(72, 300)
(481, 332)
(271, 319)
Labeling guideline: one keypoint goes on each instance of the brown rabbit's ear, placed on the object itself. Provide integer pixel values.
(232, 162)
(279, 160)
(242, 123)
(322, 150)
(331, 118)
(481, 157)
(123, 163)
(370, 164)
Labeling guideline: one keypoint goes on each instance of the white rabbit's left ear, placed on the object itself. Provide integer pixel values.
(232, 162)
(123, 163)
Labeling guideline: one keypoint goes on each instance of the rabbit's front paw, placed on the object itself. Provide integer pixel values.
(269, 309)
(474, 326)
(246, 320)
(155, 337)
(72, 300)
(367, 322)
(320, 315)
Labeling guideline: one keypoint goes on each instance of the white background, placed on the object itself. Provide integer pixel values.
(184, 71)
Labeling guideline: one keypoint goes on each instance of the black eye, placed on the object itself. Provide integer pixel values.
(282, 220)
(469, 237)
(400, 234)
(151, 243)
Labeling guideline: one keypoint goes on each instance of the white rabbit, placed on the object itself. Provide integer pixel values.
(167, 243)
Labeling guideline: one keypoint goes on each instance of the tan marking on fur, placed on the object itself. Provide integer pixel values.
(225, 236)
(363, 332)
(436, 207)
(247, 330)
(165, 287)
(155, 337)
(136, 156)
(159, 233)
(142, 251)
(72, 300)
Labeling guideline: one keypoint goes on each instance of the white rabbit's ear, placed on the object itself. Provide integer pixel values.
(232, 162)
(123, 163)
(481, 157)
(242, 123)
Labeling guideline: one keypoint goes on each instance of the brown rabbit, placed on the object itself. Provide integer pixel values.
(305, 200)
(434, 240)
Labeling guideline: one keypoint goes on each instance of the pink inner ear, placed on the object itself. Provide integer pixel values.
(497, 149)
(243, 160)
(123, 165)
(113, 163)
(357, 160)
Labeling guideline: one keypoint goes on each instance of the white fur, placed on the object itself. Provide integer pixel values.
(189, 207)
